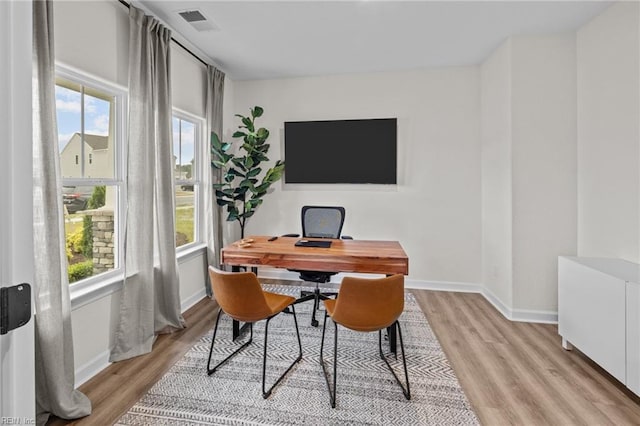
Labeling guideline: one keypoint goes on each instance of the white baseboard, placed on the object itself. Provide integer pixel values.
(545, 317)
(443, 286)
(91, 368)
(520, 315)
(192, 300)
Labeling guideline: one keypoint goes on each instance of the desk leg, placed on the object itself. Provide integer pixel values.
(236, 329)
(391, 333)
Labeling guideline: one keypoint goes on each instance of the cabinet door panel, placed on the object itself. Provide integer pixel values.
(591, 314)
(633, 337)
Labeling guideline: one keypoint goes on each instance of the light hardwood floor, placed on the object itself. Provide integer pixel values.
(512, 373)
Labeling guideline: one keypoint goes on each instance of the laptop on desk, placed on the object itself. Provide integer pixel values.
(313, 243)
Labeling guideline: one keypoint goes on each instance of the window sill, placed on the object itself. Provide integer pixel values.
(84, 293)
(190, 251)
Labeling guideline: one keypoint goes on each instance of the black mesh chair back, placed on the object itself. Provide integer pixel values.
(322, 222)
(319, 222)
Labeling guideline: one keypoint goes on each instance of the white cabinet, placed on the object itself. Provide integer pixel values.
(633, 337)
(599, 313)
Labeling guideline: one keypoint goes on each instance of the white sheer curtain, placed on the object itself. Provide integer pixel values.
(213, 213)
(55, 388)
(150, 301)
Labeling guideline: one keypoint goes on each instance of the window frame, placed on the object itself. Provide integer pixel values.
(196, 181)
(93, 284)
(96, 287)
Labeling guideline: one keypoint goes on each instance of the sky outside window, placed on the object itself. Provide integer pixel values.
(68, 107)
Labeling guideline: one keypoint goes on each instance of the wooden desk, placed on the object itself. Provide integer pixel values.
(374, 257)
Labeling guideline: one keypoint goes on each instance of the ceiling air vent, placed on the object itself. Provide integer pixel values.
(197, 20)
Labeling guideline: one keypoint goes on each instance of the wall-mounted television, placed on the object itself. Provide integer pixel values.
(341, 151)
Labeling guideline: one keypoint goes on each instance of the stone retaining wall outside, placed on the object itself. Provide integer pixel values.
(103, 247)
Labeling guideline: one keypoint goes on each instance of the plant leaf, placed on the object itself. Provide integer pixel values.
(233, 215)
(235, 172)
(239, 163)
(251, 139)
(248, 162)
(246, 183)
(215, 141)
(223, 193)
(248, 123)
(262, 134)
(256, 112)
(238, 134)
(254, 172)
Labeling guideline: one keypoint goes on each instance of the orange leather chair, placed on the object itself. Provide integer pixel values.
(240, 296)
(366, 305)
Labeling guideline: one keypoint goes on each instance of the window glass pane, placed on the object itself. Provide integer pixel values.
(183, 149)
(187, 149)
(90, 230)
(68, 110)
(176, 146)
(98, 138)
(185, 214)
(84, 151)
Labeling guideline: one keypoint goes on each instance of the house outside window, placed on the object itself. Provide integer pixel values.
(186, 155)
(90, 116)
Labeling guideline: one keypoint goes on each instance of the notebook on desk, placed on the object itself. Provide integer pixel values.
(315, 243)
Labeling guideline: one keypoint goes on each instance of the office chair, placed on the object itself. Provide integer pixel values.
(366, 305)
(319, 222)
(240, 296)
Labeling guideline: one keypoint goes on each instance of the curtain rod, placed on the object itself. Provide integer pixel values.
(128, 5)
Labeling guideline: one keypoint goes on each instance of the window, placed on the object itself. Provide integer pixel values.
(90, 116)
(186, 136)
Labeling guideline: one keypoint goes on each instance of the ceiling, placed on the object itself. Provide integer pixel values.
(277, 39)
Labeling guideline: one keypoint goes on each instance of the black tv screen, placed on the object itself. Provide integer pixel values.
(341, 151)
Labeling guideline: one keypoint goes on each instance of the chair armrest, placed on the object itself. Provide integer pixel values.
(290, 235)
(347, 237)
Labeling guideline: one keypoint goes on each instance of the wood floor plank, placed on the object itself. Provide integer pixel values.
(541, 382)
(115, 389)
(513, 373)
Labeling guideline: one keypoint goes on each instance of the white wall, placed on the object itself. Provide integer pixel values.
(434, 211)
(528, 169)
(93, 38)
(608, 134)
(543, 79)
(495, 77)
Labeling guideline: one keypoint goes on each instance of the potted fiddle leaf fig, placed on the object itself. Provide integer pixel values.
(240, 190)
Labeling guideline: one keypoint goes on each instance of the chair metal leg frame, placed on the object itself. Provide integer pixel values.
(266, 393)
(210, 370)
(406, 391)
(332, 394)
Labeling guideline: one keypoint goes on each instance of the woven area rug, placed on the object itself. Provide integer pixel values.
(367, 392)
